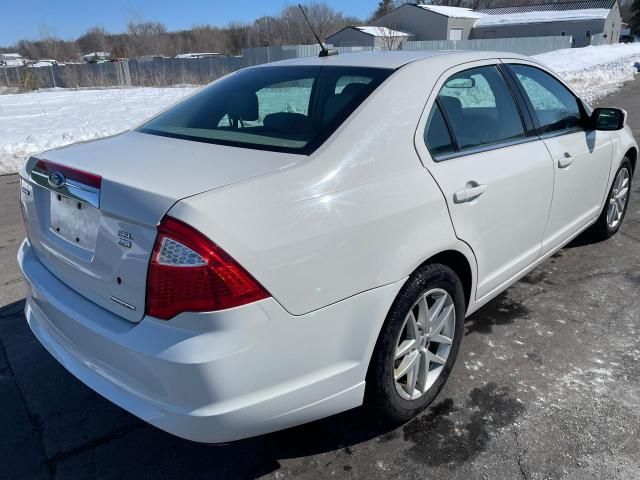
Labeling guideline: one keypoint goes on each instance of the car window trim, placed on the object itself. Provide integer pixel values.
(521, 101)
(484, 148)
(560, 133)
(447, 122)
(538, 129)
(480, 148)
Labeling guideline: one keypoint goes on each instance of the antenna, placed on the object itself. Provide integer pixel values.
(324, 51)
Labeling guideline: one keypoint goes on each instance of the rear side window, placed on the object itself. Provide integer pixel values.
(556, 108)
(436, 135)
(479, 110)
(349, 80)
(288, 108)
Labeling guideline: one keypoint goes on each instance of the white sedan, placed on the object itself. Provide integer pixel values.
(300, 238)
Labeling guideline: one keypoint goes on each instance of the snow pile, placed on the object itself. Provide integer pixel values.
(594, 72)
(33, 122)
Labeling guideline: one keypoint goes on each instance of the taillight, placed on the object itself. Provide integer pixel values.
(190, 273)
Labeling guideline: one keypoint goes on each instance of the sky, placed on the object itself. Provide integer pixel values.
(68, 19)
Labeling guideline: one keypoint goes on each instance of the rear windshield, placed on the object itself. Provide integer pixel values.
(286, 109)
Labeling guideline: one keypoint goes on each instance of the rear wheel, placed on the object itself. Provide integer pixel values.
(615, 207)
(418, 344)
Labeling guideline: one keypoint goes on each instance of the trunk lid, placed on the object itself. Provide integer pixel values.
(97, 237)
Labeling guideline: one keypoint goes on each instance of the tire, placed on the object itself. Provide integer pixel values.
(391, 401)
(604, 228)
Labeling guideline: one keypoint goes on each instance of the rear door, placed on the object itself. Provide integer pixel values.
(581, 156)
(496, 175)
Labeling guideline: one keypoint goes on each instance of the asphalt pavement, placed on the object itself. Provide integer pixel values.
(547, 386)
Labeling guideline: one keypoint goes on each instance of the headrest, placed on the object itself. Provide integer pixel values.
(288, 123)
(353, 89)
(451, 104)
(243, 106)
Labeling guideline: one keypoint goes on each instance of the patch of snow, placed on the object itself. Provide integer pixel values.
(523, 18)
(595, 71)
(454, 12)
(37, 121)
(382, 31)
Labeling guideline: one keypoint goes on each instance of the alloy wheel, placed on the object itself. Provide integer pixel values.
(618, 198)
(424, 343)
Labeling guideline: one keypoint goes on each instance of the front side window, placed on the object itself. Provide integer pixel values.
(479, 110)
(556, 108)
(289, 108)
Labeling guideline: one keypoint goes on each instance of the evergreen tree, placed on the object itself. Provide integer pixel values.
(385, 6)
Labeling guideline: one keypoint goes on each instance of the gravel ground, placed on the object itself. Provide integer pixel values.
(547, 386)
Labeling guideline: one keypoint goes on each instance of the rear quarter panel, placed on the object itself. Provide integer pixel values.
(361, 212)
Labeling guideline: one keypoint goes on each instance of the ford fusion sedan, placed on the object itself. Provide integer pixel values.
(300, 238)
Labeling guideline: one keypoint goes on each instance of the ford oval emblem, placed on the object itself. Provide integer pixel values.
(57, 180)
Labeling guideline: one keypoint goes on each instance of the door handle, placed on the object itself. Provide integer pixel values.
(566, 160)
(469, 193)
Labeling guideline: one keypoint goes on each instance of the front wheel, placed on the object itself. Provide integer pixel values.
(615, 207)
(418, 344)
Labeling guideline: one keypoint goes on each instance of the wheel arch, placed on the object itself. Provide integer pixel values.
(632, 155)
(460, 264)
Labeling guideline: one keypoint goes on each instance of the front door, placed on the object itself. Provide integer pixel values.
(581, 156)
(497, 181)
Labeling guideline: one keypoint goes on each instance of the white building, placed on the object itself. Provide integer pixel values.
(95, 57)
(12, 59)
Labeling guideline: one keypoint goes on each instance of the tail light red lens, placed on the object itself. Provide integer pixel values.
(190, 273)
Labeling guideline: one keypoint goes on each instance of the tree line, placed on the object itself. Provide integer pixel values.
(149, 38)
(145, 37)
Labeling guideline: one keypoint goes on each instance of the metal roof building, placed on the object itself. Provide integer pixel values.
(587, 21)
(377, 37)
(431, 22)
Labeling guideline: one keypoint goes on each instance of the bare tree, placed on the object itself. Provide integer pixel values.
(147, 38)
(238, 35)
(390, 37)
(94, 40)
(266, 31)
(48, 39)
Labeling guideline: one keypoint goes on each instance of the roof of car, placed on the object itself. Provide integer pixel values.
(394, 59)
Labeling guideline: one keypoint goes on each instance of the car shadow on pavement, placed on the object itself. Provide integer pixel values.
(54, 401)
(117, 445)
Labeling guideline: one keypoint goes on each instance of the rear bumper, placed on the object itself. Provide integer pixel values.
(213, 377)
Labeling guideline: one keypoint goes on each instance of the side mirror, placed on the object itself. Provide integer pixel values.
(608, 118)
